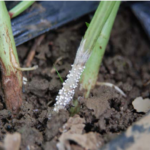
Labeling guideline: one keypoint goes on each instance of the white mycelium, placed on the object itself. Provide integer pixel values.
(66, 94)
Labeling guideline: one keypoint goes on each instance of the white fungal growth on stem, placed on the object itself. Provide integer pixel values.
(66, 94)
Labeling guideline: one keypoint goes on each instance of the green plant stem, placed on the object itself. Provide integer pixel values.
(93, 32)
(11, 76)
(85, 49)
(89, 76)
(22, 6)
(75, 109)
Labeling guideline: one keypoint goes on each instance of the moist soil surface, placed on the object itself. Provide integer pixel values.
(105, 114)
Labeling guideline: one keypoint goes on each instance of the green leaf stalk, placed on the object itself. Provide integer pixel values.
(22, 6)
(90, 74)
(11, 76)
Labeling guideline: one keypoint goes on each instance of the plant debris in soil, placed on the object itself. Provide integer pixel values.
(102, 116)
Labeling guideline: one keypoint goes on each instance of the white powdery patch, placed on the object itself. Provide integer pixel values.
(66, 94)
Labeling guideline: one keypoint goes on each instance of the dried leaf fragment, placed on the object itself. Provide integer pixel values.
(74, 125)
(73, 131)
(12, 141)
(89, 141)
(141, 105)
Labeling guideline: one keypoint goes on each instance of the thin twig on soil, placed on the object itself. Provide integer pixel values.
(147, 83)
(27, 69)
(56, 62)
(112, 86)
(33, 50)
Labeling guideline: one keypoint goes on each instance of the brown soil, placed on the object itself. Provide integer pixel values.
(102, 116)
